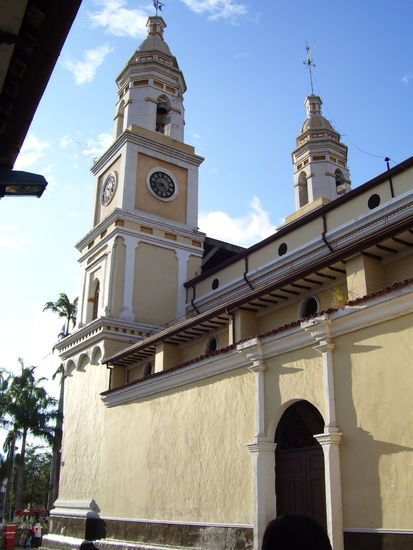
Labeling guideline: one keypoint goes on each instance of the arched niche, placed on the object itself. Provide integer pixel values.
(82, 362)
(96, 356)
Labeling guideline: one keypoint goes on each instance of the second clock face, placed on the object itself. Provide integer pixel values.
(162, 185)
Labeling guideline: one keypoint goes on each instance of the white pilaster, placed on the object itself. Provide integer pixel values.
(128, 167)
(334, 503)
(320, 330)
(131, 243)
(108, 278)
(263, 454)
(262, 450)
(83, 303)
(182, 256)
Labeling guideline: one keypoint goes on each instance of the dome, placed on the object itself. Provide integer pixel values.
(154, 42)
(316, 121)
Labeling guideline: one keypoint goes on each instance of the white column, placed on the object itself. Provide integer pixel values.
(334, 505)
(131, 243)
(325, 347)
(320, 330)
(182, 256)
(263, 454)
(128, 167)
(262, 450)
(108, 278)
(82, 306)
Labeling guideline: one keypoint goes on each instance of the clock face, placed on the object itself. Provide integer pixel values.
(109, 188)
(162, 185)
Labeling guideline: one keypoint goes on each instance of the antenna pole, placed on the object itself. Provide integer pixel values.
(309, 64)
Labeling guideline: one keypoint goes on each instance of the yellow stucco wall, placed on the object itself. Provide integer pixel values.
(155, 290)
(184, 459)
(145, 201)
(83, 433)
(372, 370)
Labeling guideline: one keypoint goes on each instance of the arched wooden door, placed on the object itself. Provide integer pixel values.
(299, 463)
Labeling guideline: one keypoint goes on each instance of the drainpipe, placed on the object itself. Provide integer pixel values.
(390, 180)
(193, 300)
(323, 234)
(245, 273)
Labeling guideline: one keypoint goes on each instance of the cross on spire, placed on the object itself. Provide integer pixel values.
(309, 63)
(158, 5)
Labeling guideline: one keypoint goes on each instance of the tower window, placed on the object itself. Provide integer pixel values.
(147, 369)
(162, 114)
(340, 183)
(302, 189)
(96, 302)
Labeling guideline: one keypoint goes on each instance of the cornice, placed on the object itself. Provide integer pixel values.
(146, 143)
(206, 368)
(138, 218)
(339, 238)
(95, 332)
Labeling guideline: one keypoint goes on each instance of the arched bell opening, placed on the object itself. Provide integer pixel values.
(163, 109)
(299, 463)
(120, 118)
(340, 182)
(302, 189)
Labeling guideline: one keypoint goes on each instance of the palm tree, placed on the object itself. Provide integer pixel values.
(64, 308)
(29, 412)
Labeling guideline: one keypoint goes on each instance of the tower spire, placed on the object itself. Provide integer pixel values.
(309, 63)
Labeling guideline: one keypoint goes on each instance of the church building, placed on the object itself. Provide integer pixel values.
(210, 387)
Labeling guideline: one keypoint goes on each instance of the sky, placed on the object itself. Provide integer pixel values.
(243, 65)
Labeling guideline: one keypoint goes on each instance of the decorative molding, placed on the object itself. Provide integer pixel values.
(379, 530)
(75, 508)
(145, 143)
(139, 219)
(206, 368)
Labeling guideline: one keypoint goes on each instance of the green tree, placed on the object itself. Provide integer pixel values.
(67, 310)
(29, 412)
(36, 476)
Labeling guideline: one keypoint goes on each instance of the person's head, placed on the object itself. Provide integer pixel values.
(295, 532)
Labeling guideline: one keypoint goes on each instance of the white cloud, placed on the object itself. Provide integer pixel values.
(11, 239)
(31, 151)
(230, 10)
(65, 141)
(94, 148)
(407, 77)
(84, 71)
(244, 231)
(120, 21)
(196, 136)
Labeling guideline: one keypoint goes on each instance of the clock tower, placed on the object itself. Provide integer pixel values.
(144, 242)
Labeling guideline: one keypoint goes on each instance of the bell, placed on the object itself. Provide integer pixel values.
(162, 108)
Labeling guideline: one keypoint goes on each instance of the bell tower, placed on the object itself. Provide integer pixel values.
(320, 161)
(144, 242)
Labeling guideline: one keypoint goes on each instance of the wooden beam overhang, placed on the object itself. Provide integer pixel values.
(331, 262)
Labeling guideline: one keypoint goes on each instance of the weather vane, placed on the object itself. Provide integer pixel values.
(309, 63)
(158, 5)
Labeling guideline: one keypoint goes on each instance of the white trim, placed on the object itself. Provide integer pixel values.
(200, 370)
(139, 218)
(339, 238)
(378, 530)
(146, 143)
